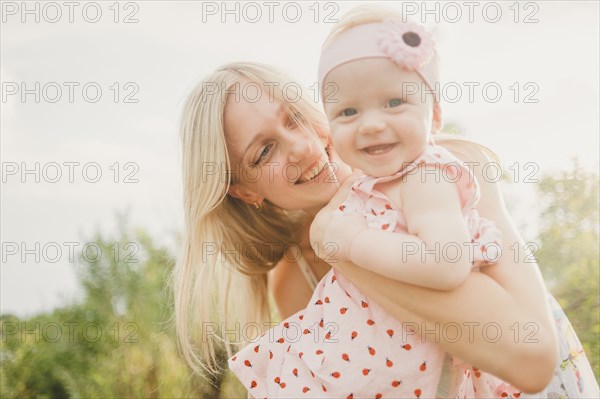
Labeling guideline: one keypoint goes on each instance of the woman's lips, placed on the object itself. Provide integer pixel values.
(317, 169)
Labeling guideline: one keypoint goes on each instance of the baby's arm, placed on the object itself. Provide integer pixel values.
(436, 254)
(518, 291)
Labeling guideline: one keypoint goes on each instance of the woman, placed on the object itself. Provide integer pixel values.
(255, 177)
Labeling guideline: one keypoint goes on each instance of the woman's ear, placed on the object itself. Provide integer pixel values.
(438, 123)
(241, 192)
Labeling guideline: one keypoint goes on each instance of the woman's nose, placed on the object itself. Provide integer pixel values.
(300, 147)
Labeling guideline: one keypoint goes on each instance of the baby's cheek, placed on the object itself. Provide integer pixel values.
(412, 130)
(415, 140)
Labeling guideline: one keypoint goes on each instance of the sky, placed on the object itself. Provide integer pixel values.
(92, 94)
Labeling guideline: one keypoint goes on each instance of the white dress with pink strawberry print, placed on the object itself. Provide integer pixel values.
(342, 345)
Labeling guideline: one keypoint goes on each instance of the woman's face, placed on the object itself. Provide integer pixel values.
(272, 158)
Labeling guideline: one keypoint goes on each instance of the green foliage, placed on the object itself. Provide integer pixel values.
(452, 128)
(117, 342)
(569, 254)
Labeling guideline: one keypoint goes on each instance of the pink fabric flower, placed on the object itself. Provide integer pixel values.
(407, 44)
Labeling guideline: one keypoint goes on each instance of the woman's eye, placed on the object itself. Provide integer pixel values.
(263, 154)
(348, 112)
(395, 102)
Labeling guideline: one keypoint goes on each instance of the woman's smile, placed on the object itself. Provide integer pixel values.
(317, 171)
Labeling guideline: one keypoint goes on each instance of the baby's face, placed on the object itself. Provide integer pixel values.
(381, 120)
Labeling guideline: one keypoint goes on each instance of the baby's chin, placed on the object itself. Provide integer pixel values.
(384, 170)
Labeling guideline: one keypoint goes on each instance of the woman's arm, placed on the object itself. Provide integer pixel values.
(503, 323)
(478, 322)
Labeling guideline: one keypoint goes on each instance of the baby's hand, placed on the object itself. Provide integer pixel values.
(340, 234)
(319, 234)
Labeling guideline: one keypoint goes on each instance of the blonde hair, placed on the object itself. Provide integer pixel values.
(466, 150)
(224, 238)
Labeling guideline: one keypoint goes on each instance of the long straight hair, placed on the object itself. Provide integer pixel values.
(220, 278)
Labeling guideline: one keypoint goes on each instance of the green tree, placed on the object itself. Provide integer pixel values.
(116, 342)
(569, 254)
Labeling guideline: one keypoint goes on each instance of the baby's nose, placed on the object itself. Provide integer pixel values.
(371, 125)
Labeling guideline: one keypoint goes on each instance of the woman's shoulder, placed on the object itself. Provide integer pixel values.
(486, 169)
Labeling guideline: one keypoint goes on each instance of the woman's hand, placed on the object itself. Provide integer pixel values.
(327, 229)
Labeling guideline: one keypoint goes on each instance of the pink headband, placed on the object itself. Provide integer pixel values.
(407, 44)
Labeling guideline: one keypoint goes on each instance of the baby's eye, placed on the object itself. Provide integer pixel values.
(348, 112)
(394, 102)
